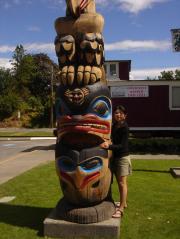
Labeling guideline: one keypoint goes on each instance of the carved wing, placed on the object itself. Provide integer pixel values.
(76, 7)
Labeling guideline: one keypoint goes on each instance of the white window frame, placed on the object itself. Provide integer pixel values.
(113, 65)
(108, 75)
(170, 98)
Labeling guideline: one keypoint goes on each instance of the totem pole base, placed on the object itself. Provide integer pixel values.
(53, 227)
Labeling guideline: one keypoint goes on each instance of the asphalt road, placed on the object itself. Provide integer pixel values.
(17, 157)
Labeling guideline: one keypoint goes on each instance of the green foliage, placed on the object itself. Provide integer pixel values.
(29, 80)
(40, 83)
(17, 57)
(155, 145)
(8, 105)
(5, 81)
(169, 75)
(24, 75)
(177, 74)
(28, 133)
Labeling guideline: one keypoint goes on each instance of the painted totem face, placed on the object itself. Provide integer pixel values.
(85, 176)
(89, 122)
(84, 122)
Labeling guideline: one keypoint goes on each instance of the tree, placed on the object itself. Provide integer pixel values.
(169, 75)
(5, 81)
(8, 105)
(177, 74)
(27, 87)
(9, 100)
(24, 68)
(17, 57)
(40, 84)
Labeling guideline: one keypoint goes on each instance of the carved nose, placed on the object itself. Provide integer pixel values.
(78, 178)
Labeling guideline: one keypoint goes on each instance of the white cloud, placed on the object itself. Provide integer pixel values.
(142, 74)
(30, 47)
(34, 29)
(5, 63)
(39, 47)
(132, 6)
(129, 45)
(9, 3)
(5, 48)
(103, 2)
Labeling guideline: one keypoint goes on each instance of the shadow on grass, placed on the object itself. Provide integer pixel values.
(24, 216)
(48, 147)
(151, 170)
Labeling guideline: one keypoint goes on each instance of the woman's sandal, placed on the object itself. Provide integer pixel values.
(117, 204)
(118, 213)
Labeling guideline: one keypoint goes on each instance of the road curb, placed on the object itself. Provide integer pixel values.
(25, 138)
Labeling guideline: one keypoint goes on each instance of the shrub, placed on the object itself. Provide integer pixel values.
(8, 105)
(155, 146)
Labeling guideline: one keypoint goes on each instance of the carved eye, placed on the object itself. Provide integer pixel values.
(92, 164)
(101, 109)
(66, 164)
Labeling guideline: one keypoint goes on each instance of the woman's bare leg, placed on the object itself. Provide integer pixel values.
(122, 184)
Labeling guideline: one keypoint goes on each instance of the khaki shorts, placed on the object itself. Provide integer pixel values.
(122, 166)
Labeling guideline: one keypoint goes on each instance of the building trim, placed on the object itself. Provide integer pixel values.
(154, 128)
(116, 82)
(170, 98)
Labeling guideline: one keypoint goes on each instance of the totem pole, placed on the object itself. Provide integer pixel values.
(84, 115)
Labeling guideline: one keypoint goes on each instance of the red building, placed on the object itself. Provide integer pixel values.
(152, 106)
(118, 69)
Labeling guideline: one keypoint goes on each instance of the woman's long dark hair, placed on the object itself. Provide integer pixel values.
(121, 108)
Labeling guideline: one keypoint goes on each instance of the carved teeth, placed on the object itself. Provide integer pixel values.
(96, 71)
(97, 126)
(70, 75)
(80, 74)
(87, 75)
(64, 74)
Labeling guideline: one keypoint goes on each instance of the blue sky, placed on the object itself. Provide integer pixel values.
(137, 30)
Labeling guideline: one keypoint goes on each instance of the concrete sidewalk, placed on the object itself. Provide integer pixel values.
(22, 162)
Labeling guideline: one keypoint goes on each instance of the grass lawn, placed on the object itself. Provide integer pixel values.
(26, 134)
(153, 206)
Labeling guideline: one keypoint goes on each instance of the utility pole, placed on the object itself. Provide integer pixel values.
(51, 98)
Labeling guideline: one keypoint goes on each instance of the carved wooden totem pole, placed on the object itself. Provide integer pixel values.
(83, 116)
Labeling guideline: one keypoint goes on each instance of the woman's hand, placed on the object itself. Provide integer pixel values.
(105, 145)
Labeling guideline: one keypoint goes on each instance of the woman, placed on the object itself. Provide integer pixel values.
(121, 163)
